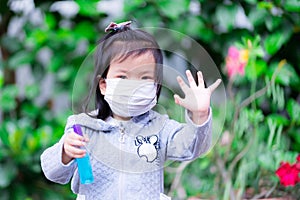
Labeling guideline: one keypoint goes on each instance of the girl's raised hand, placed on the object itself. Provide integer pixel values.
(71, 147)
(197, 97)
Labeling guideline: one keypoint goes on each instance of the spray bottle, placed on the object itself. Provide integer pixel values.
(84, 164)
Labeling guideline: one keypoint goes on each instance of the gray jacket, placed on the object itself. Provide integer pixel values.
(128, 158)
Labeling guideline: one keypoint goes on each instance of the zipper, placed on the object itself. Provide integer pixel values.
(122, 133)
(122, 141)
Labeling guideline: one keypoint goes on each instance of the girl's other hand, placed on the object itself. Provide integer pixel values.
(197, 97)
(71, 147)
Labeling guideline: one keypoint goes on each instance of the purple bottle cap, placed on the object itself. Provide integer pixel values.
(77, 129)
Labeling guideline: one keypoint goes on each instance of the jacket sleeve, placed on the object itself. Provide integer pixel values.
(188, 141)
(52, 166)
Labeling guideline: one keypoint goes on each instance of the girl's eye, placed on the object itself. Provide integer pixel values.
(147, 78)
(122, 77)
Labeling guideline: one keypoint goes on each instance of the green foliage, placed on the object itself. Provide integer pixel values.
(7, 97)
(275, 40)
(262, 120)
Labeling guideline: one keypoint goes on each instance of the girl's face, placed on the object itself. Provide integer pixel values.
(134, 68)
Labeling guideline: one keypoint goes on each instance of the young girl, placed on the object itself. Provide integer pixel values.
(128, 142)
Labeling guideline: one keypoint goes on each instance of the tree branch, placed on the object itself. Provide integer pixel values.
(176, 181)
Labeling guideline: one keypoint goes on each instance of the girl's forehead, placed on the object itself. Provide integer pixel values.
(134, 61)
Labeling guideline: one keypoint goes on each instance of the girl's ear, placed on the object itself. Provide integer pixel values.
(102, 86)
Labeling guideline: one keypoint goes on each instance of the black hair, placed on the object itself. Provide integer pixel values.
(119, 45)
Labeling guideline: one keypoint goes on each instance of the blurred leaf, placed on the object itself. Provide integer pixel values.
(279, 119)
(29, 110)
(45, 133)
(64, 34)
(55, 63)
(265, 4)
(133, 5)
(50, 21)
(7, 97)
(16, 140)
(266, 160)
(4, 135)
(257, 16)
(226, 15)
(284, 156)
(66, 39)
(8, 172)
(242, 123)
(251, 1)
(65, 73)
(20, 58)
(274, 42)
(37, 37)
(295, 136)
(172, 9)
(206, 34)
(255, 69)
(293, 108)
(286, 76)
(273, 22)
(87, 8)
(85, 30)
(204, 164)
(292, 5)
(32, 143)
(255, 116)
(31, 91)
(10, 43)
(260, 67)
(1, 78)
(19, 192)
(193, 30)
(275, 131)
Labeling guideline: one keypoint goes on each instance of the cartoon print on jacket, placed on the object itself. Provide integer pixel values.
(148, 147)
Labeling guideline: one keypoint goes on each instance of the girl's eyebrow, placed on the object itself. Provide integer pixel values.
(121, 70)
(146, 72)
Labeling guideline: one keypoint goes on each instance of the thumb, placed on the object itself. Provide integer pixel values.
(178, 99)
(215, 85)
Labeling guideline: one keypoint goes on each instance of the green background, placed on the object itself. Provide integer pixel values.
(262, 120)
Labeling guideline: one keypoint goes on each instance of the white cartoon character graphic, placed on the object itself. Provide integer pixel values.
(147, 147)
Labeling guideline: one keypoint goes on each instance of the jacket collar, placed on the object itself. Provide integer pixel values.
(98, 124)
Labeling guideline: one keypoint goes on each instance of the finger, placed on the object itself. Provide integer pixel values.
(75, 140)
(190, 78)
(75, 136)
(74, 152)
(86, 139)
(215, 85)
(178, 99)
(200, 79)
(182, 84)
(77, 143)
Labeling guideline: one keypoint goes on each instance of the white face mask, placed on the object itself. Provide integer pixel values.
(129, 98)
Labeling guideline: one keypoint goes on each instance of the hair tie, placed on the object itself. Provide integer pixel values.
(116, 27)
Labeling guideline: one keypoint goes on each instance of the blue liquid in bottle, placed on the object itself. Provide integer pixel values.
(84, 164)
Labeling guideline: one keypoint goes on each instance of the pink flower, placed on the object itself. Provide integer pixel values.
(236, 61)
(233, 52)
